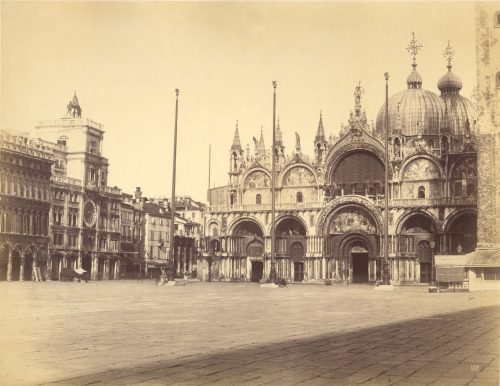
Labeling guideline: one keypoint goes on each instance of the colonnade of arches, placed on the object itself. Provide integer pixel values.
(18, 263)
(349, 255)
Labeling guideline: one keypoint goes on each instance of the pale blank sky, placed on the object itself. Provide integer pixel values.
(125, 59)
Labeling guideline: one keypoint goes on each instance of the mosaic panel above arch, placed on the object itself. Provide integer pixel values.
(257, 179)
(298, 176)
(351, 219)
(421, 169)
(349, 201)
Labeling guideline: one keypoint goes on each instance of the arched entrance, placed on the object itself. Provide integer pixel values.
(55, 266)
(359, 259)
(248, 238)
(28, 265)
(87, 264)
(297, 254)
(462, 234)
(255, 250)
(414, 260)
(352, 244)
(290, 248)
(16, 266)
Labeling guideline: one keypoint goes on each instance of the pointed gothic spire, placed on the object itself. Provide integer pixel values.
(236, 140)
(262, 147)
(279, 138)
(320, 134)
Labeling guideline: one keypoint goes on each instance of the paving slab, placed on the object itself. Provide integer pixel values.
(134, 332)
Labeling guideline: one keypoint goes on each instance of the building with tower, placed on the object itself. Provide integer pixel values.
(85, 212)
(330, 207)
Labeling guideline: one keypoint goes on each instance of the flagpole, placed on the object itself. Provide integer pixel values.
(171, 268)
(385, 267)
(272, 273)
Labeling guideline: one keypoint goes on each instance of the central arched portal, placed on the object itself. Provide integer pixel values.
(359, 259)
(352, 245)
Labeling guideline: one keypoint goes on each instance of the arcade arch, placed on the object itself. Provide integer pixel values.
(461, 233)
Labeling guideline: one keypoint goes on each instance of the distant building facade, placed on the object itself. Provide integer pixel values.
(330, 207)
(25, 197)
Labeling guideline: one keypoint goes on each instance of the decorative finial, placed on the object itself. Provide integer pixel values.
(358, 91)
(177, 92)
(275, 84)
(386, 76)
(449, 54)
(413, 48)
(236, 124)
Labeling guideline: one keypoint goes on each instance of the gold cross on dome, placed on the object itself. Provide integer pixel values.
(449, 53)
(414, 46)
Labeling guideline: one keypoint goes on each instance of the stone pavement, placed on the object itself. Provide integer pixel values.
(133, 332)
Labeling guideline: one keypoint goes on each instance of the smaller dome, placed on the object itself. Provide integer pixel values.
(449, 83)
(414, 80)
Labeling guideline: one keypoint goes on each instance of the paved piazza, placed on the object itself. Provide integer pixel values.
(129, 332)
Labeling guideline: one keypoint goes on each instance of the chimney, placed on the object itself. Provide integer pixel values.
(138, 192)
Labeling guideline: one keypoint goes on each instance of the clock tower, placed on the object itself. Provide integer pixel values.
(98, 214)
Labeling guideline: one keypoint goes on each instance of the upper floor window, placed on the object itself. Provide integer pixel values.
(497, 79)
(497, 19)
(92, 175)
(421, 192)
(299, 197)
(258, 199)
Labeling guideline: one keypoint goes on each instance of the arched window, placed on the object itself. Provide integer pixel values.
(299, 197)
(235, 164)
(421, 192)
(258, 199)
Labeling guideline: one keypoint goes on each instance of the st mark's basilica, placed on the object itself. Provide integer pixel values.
(330, 207)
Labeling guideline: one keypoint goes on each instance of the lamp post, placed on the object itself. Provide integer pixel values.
(385, 264)
(272, 273)
(171, 268)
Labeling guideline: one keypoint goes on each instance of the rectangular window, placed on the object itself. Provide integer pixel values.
(152, 235)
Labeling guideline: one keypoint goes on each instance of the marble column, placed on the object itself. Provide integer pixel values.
(21, 268)
(9, 266)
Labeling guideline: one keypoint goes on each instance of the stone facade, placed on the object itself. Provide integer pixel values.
(330, 207)
(483, 264)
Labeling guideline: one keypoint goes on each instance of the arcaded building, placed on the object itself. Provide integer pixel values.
(25, 171)
(330, 207)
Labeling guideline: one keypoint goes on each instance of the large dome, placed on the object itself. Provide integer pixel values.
(413, 110)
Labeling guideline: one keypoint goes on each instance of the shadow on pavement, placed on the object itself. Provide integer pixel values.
(454, 348)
